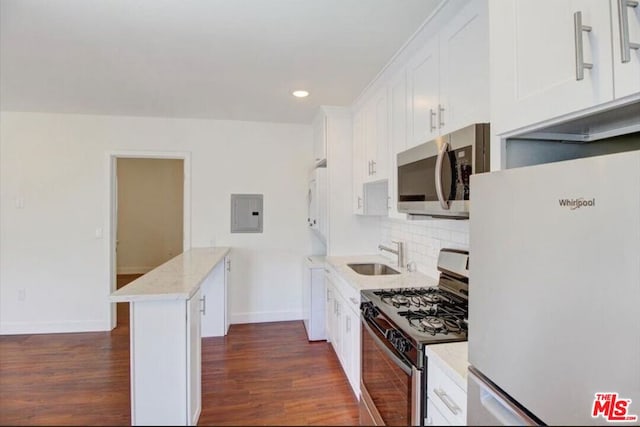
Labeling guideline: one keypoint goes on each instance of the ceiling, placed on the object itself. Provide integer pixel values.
(222, 59)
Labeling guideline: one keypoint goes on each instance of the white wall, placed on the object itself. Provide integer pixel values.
(150, 206)
(54, 270)
(425, 238)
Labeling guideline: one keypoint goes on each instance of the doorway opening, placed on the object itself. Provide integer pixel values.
(149, 217)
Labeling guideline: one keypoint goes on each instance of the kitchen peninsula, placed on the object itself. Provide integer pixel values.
(167, 306)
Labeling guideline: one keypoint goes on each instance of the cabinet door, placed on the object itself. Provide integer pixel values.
(329, 309)
(227, 296)
(464, 69)
(194, 366)
(423, 92)
(352, 348)
(213, 293)
(378, 143)
(359, 163)
(533, 57)
(320, 137)
(397, 136)
(312, 202)
(322, 217)
(626, 61)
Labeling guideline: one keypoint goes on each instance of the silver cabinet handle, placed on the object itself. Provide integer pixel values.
(359, 202)
(439, 191)
(373, 167)
(228, 265)
(348, 323)
(370, 168)
(578, 29)
(203, 300)
(389, 202)
(432, 120)
(623, 18)
(447, 401)
(441, 116)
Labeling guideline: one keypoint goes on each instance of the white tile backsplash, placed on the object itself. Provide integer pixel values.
(425, 238)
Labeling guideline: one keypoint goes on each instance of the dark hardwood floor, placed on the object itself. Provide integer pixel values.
(259, 374)
(268, 374)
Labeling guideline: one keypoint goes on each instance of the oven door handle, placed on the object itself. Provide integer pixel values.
(399, 362)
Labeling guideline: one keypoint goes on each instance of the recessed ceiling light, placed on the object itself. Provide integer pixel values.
(300, 93)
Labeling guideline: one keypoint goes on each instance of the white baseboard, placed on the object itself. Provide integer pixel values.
(134, 270)
(21, 328)
(265, 316)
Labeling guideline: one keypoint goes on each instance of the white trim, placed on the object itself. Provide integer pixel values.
(266, 316)
(62, 327)
(574, 115)
(110, 172)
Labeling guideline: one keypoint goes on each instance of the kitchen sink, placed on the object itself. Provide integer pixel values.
(372, 269)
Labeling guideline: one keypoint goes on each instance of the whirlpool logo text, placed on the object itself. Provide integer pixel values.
(574, 204)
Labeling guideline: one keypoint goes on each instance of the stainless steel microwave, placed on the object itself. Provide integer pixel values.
(433, 178)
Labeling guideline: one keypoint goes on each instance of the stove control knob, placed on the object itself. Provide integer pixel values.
(369, 310)
(398, 341)
(402, 345)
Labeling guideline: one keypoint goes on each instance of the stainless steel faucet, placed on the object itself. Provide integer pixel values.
(400, 251)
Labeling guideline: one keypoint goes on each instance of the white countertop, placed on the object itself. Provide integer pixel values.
(316, 261)
(178, 278)
(452, 358)
(405, 279)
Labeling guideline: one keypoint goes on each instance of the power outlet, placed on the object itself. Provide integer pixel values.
(22, 295)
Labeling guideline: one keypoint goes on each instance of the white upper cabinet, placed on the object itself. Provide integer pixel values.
(448, 79)
(376, 137)
(359, 162)
(317, 217)
(549, 58)
(626, 42)
(397, 135)
(319, 137)
(424, 94)
(464, 69)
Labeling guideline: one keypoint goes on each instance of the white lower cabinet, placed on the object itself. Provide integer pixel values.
(313, 299)
(446, 401)
(434, 416)
(194, 357)
(163, 369)
(214, 288)
(343, 326)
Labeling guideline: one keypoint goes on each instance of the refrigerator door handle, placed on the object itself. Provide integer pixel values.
(499, 406)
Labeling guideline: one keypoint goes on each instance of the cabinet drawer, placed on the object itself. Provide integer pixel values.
(434, 416)
(445, 395)
(350, 294)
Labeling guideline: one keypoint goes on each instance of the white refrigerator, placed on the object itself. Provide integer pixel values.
(554, 298)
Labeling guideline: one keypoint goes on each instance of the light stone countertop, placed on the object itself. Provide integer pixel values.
(453, 360)
(316, 261)
(178, 278)
(405, 279)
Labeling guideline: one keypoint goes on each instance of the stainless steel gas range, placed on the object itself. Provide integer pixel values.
(397, 324)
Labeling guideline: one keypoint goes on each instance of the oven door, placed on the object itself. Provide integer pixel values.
(391, 387)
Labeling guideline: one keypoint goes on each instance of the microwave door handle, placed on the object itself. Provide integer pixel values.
(439, 191)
